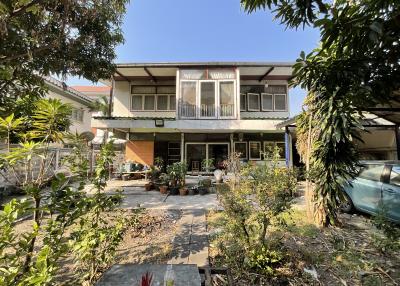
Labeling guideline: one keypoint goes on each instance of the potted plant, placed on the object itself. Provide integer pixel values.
(183, 191)
(204, 186)
(164, 179)
(148, 186)
(207, 165)
(177, 173)
(192, 191)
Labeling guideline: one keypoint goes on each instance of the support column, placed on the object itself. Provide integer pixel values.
(287, 147)
(397, 134)
(182, 147)
(231, 140)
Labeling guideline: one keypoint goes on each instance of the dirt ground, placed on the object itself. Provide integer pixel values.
(150, 241)
(350, 255)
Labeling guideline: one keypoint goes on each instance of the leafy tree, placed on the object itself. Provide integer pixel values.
(356, 66)
(101, 105)
(43, 37)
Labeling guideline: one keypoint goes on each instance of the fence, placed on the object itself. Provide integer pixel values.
(55, 163)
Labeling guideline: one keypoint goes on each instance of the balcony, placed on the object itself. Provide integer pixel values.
(188, 110)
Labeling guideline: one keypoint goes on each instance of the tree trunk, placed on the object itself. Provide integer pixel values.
(308, 196)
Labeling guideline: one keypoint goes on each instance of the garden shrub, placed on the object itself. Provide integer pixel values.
(55, 203)
(253, 201)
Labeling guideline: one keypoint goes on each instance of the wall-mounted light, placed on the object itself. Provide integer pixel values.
(240, 137)
(159, 122)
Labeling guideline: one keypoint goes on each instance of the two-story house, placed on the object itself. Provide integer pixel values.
(195, 111)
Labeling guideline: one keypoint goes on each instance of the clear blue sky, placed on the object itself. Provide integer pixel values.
(208, 30)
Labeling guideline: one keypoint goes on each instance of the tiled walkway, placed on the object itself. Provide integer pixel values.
(190, 245)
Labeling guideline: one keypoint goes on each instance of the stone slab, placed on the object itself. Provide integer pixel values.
(130, 274)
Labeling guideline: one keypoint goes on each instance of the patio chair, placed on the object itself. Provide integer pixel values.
(196, 167)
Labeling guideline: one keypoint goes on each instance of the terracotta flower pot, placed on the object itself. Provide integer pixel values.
(183, 191)
(148, 186)
(164, 190)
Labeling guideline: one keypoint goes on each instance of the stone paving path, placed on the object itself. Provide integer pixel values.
(190, 245)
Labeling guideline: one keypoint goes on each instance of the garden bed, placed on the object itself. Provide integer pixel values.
(148, 242)
(350, 255)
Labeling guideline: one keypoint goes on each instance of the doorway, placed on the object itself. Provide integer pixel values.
(197, 152)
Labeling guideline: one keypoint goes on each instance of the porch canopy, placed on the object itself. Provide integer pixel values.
(156, 72)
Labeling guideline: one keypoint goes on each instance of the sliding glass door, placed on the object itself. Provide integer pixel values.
(207, 99)
(197, 152)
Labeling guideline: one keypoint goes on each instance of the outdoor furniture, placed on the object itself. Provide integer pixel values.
(134, 174)
(195, 167)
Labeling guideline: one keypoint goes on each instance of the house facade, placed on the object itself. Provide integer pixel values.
(196, 111)
(81, 114)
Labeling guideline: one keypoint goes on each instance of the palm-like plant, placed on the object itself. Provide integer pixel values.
(102, 105)
(51, 120)
(10, 125)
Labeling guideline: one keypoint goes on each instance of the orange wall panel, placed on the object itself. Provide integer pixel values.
(140, 151)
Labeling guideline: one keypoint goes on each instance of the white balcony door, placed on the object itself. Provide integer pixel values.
(188, 99)
(226, 99)
(208, 99)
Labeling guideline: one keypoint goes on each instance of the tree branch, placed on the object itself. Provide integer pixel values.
(10, 58)
(22, 9)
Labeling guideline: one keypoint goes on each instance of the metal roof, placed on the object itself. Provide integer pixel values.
(166, 71)
(390, 111)
(61, 87)
(369, 120)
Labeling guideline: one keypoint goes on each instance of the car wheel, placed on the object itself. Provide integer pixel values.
(346, 205)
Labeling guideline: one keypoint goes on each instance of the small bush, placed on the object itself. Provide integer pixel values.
(253, 202)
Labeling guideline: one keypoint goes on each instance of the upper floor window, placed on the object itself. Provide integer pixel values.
(207, 93)
(261, 98)
(153, 98)
(77, 114)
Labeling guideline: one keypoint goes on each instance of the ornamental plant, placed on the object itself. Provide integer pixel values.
(253, 203)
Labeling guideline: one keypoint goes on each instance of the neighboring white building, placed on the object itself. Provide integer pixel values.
(195, 111)
(81, 114)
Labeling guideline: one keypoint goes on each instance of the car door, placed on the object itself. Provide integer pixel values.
(391, 194)
(366, 190)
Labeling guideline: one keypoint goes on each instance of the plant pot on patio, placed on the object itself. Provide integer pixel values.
(148, 186)
(174, 191)
(203, 191)
(164, 189)
(183, 191)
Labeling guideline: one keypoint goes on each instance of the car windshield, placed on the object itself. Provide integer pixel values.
(371, 172)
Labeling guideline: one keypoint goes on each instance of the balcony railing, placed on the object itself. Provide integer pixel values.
(227, 110)
(206, 111)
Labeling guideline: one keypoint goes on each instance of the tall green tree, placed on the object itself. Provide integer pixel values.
(67, 37)
(356, 66)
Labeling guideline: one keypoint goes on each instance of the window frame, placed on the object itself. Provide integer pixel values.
(154, 105)
(247, 149)
(245, 101)
(216, 98)
(218, 87)
(248, 100)
(259, 155)
(262, 102)
(274, 107)
(197, 91)
(168, 103)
